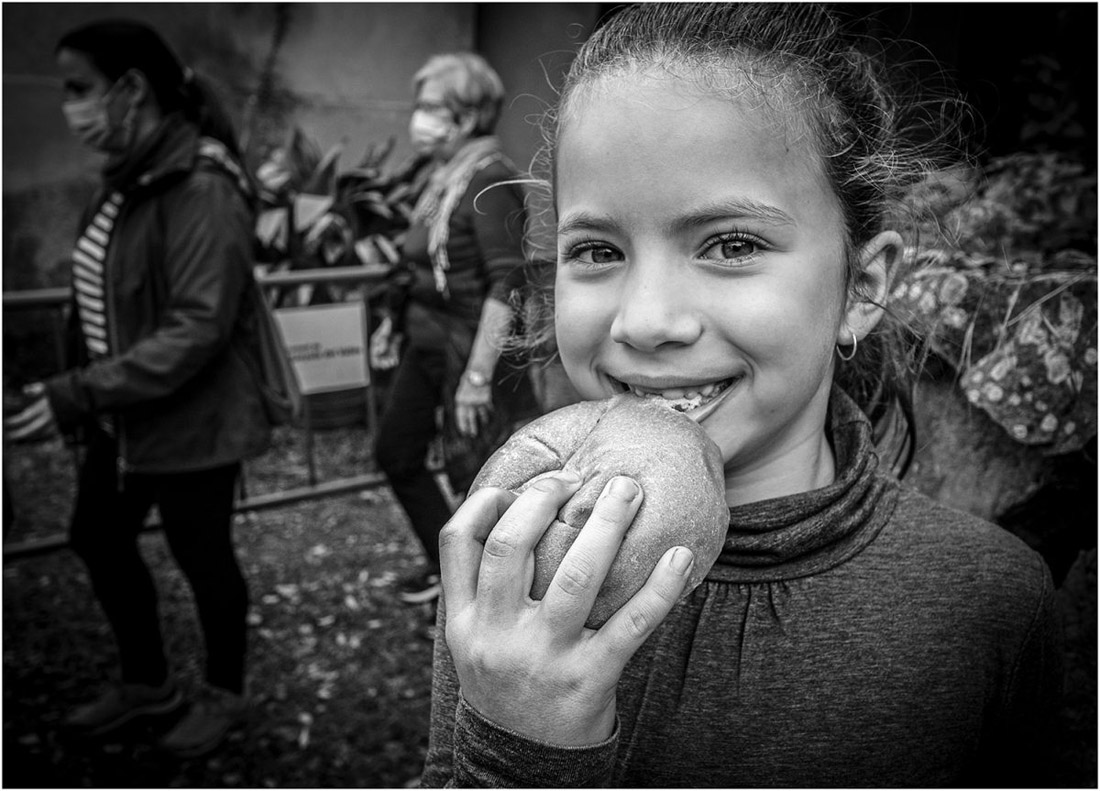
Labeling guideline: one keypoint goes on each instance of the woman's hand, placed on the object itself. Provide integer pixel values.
(473, 403)
(532, 666)
(385, 346)
(36, 421)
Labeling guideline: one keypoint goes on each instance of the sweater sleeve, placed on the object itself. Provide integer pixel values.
(466, 750)
(498, 219)
(207, 254)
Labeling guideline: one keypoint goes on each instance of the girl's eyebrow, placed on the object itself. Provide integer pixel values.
(743, 208)
(584, 221)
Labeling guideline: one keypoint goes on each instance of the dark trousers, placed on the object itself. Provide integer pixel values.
(196, 514)
(405, 431)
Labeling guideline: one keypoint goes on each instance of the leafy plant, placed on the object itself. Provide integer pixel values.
(312, 216)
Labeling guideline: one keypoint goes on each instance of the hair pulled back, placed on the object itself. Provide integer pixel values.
(798, 64)
(116, 46)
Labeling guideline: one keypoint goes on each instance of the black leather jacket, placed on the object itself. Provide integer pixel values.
(178, 382)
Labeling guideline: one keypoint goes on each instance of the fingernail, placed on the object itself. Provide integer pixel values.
(681, 560)
(568, 476)
(547, 484)
(624, 487)
(549, 481)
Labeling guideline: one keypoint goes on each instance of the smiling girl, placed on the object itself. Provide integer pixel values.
(722, 181)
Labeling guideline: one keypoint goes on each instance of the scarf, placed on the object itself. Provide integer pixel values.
(442, 194)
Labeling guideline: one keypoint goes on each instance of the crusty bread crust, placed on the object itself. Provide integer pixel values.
(677, 465)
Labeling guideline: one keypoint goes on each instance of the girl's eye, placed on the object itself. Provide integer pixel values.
(732, 248)
(594, 254)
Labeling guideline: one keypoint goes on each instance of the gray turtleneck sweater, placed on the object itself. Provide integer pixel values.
(856, 635)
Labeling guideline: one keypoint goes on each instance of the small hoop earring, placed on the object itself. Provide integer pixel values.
(846, 358)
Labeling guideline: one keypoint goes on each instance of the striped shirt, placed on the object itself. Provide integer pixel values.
(89, 260)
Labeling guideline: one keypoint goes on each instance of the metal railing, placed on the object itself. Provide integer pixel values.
(56, 299)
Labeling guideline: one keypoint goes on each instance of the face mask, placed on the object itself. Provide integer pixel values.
(87, 119)
(428, 131)
(90, 122)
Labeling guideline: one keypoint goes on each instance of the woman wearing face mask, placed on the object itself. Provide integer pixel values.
(462, 252)
(161, 386)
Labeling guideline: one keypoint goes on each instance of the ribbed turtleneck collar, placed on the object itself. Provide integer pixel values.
(789, 537)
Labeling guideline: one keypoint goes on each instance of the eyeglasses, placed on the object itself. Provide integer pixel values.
(435, 108)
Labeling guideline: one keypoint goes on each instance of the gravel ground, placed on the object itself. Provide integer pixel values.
(340, 669)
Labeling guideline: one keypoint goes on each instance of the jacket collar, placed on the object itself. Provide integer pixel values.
(169, 151)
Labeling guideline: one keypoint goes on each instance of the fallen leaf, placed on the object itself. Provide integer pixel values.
(287, 591)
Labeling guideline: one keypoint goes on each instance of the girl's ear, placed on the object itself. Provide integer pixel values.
(877, 260)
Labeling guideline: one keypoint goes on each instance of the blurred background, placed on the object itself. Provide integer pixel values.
(341, 72)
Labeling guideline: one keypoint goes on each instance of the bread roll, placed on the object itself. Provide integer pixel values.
(677, 465)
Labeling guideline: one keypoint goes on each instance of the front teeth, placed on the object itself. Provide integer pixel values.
(683, 400)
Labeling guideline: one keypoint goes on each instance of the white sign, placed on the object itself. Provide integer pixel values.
(327, 345)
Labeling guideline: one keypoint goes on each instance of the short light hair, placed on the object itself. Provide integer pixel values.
(470, 85)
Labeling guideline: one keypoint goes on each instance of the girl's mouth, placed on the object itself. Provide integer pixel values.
(684, 399)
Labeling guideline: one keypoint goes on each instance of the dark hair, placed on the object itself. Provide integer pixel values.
(115, 46)
(795, 61)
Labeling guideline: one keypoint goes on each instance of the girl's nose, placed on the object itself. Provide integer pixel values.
(653, 311)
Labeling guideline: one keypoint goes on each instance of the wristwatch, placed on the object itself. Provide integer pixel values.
(477, 379)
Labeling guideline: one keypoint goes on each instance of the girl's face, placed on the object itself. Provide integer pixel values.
(700, 249)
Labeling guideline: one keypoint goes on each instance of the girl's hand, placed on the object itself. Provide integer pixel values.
(385, 346)
(35, 422)
(532, 666)
(472, 407)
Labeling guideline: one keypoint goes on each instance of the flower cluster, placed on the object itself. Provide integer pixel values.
(1008, 291)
